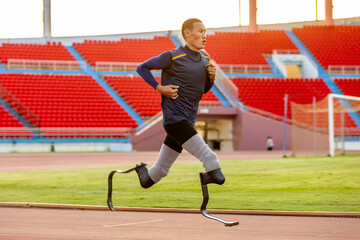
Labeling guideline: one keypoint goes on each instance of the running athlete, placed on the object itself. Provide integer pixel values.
(186, 75)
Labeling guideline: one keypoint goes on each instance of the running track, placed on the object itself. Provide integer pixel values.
(56, 224)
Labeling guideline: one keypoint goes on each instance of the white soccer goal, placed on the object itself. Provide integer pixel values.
(348, 105)
(326, 126)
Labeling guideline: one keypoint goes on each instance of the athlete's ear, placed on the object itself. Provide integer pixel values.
(187, 33)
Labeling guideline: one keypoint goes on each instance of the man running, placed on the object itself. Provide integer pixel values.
(186, 75)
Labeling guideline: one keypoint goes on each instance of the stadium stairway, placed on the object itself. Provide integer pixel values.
(2, 68)
(175, 40)
(107, 88)
(322, 73)
(15, 114)
(274, 69)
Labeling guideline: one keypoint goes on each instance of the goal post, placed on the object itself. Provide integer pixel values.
(330, 125)
(348, 106)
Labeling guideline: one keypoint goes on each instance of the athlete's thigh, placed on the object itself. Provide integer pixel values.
(180, 132)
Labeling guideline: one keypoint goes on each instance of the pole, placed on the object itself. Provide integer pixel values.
(315, 132)
(329, 13)
(316, 7)
(342, 131)
(285, 120)
(47, 18)
(252, 16)
(239, 12)
(331, 125)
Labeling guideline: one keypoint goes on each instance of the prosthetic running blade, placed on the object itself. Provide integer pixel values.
(109, 201)
(204, 204)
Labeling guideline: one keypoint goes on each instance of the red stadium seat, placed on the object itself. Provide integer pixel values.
(124, 50)
(268, 94)
(332, 45)
(143, 98)
(54, 51)
(67, 100)
(245, 47)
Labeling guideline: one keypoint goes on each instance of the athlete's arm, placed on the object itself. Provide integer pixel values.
(160, 62)
(211, 73)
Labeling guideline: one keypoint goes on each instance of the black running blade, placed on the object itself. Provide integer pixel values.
(227, 223)
(110, 179)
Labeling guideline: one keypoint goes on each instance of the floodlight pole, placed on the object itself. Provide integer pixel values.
(239, 12)
(47, 18)
(329, 12)
(252, 16)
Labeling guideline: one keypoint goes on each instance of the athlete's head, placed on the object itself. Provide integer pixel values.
(194, 33)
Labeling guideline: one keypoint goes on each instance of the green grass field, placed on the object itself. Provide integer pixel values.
(287, 184)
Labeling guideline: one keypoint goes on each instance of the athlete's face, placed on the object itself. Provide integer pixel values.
(196, 38)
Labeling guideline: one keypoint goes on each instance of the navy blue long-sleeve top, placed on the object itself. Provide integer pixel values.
(185, 68)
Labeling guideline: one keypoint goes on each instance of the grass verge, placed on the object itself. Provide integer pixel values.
(290, 184)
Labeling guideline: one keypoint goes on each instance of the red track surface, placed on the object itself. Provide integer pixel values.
(39, 224)
(54, 224)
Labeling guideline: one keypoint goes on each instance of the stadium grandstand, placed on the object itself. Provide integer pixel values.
(81, 90)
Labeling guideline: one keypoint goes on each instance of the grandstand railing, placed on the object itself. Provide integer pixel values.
(45, 64)
(210, 103)
(226, 86)
(287, 51)
(20, 108)
(246, 68)
(116, 66)
(343, 69)
(67, 133)
(15, 132)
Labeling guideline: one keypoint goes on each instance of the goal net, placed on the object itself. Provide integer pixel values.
(330, 125)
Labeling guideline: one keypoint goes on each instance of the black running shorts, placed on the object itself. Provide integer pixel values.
(178, 133)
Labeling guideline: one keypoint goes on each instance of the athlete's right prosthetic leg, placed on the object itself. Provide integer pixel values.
(217, 177)
(110, 178)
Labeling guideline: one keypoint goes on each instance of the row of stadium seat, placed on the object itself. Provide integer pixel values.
(56, 108)
(124, 50)
(34, 52)
(332, 45)
(72, 107)
(7, 120)
(246, 47)
(268, 94)
(143, 98)
(349, 86)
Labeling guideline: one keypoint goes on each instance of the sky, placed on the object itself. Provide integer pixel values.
(23, 18)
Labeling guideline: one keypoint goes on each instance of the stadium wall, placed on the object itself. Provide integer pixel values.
(249, 133)
(65, 146)
(150, 138)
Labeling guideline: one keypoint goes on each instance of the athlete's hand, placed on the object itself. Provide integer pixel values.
(169, 91)
(211, 69)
